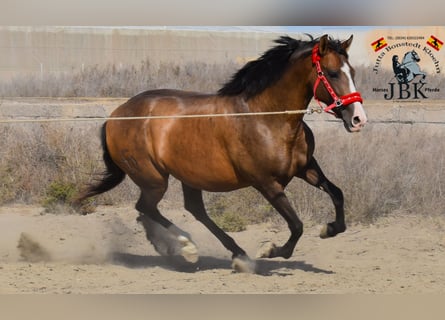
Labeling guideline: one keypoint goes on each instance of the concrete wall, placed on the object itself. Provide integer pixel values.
(52, 50)
(39, 50)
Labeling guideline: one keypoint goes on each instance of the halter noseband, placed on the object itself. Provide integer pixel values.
(338, 101)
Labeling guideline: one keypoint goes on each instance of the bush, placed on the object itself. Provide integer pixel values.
(58, 194)
(230, 222)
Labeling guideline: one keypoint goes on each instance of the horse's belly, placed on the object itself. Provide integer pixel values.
(203, 175)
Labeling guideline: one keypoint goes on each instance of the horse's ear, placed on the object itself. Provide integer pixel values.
(347, 43)
(323, 45)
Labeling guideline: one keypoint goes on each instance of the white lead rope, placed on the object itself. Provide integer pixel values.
(184, 116)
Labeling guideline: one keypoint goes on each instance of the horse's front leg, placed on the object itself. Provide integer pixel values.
(314, 176)
(274, 193)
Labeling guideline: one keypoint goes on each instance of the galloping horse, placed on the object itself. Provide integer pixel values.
(167, 134)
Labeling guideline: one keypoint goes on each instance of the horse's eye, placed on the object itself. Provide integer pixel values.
(333, 74)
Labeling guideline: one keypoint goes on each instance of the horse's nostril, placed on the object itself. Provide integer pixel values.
(356, 120)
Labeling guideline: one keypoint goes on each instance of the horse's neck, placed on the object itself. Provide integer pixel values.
(268, 104)
(407, 59)
(282, 98)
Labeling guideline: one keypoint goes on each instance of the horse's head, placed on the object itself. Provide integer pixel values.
(338, 91)
(415, 56)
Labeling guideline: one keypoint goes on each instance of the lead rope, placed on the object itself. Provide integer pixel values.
(309, 110)
(338, 102)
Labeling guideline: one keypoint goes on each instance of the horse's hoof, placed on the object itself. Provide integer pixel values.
(243, 264)
(331, 230)
(324, 233)
(266, 250)
(188, 250)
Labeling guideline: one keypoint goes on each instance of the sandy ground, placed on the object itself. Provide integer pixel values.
(106, 252)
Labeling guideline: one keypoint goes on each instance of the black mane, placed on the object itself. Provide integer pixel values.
(260, 74)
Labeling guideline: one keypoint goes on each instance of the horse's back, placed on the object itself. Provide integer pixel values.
(160, 101)
(188, 148)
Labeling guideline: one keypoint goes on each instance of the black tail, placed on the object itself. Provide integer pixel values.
(111, 177)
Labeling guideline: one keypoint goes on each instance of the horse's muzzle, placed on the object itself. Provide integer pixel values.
(354, 117)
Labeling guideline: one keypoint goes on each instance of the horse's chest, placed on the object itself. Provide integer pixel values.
(299, 152)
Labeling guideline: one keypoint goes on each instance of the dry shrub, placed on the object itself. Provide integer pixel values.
(127, 80)
(120, 81)
(387, 168)
(34, 156)
(248, 203)
(383, 169)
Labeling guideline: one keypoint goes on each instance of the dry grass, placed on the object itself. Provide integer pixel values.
(381, 170)
(126, 81)
(385, 168)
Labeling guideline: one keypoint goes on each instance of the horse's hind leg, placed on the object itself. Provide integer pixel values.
(314, 176)
(166, 237)
(195, 205)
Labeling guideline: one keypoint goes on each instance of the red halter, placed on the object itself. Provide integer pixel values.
(338, 102)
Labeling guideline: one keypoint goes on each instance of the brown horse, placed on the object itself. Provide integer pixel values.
(230, 152)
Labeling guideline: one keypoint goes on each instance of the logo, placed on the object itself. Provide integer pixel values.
(408, 69)
(379, 44)
(405, 65)
(435, 43)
